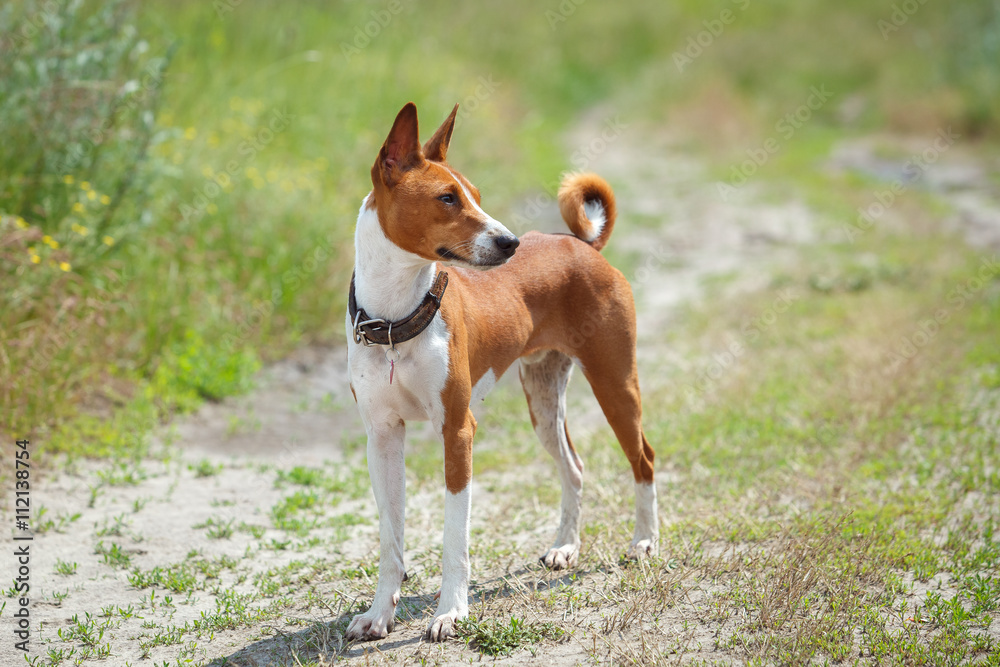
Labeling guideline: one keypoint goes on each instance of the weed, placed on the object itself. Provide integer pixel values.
(496, 638)
(115, 528)
(59, 523)
(205, 468)
(217, 529)
(187, 576)
(114, 555)
(64, 568)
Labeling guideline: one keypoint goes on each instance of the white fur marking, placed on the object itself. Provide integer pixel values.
(595, 214)
(647, 525)
(468, 195)
(483, 387)
(492, 228)
(454, 602)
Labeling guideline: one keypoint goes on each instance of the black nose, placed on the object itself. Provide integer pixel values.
(507, 244)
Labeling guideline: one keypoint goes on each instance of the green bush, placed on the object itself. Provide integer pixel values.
(78, 94)
(191, 370)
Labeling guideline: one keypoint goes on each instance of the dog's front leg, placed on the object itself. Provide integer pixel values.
(453, 606)
(388, 479)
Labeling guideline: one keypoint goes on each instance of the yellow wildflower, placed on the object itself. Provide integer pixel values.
(79, 229)
(50, 242)
(19, 221)
(68, 179)
(207, 172)
(91, 195)
(105, 200)
(271, 176)
(252, 172)
(191, 133)
(78, 208)
(108, 241)
(84, 185)
(35, 259)
(64, 266)
(212, 208)
(213, 140)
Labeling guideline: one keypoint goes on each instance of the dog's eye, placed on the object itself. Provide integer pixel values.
(447, 199)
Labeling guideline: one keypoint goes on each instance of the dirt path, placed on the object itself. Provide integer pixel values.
(252, 535)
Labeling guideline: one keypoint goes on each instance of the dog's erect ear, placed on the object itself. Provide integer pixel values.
(401, 150)
(436, 148)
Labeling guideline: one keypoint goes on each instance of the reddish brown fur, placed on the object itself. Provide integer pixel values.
(556, 293)
(436, 148)
(579, 188)
(459, 424)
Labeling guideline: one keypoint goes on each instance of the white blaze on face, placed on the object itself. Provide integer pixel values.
(484, 248)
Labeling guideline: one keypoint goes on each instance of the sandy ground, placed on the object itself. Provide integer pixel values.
(221, 464)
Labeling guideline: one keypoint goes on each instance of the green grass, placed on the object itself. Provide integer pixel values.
(114, 555)
(218, 529)
(205, 468)
(495, 638)
(193, 574)
(64, 568)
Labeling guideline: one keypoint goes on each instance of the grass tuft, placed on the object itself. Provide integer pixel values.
(497, 638)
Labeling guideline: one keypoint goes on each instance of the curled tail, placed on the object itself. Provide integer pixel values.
(587, 204)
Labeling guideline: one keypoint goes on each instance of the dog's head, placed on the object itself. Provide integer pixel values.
(429, 209)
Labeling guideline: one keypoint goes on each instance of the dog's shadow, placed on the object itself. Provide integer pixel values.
(328, 639)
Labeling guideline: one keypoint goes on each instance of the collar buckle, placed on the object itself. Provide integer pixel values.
(360, 335)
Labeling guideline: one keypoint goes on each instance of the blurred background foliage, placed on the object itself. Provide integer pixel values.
(179, 180)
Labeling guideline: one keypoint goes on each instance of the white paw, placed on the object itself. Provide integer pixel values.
(443, 626)
(642, 549)
(373, 624)
(561, 558)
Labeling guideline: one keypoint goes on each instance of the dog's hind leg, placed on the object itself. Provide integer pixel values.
(544, 377)
(614, 378)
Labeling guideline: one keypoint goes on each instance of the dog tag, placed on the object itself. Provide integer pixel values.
(392, 356)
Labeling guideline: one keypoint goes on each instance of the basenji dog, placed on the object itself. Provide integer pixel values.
(444, 300)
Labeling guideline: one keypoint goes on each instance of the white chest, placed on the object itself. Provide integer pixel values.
(418, 376)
